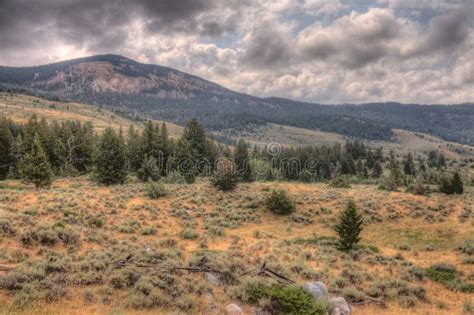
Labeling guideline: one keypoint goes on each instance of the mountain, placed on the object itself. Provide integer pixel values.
(168, 94)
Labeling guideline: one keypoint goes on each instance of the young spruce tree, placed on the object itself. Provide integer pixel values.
(35, 167)
(457, 186)
(111, 159)
(242, 162)
(349, 227)
(6, 157)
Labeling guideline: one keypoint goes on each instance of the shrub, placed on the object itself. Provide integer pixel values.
(442, 273)
(7, 228)
(156, 190)
(174, 177)
(279, 203)
(189, 234)
(224, 181)
(290, 300)
(467, 247)
(97, 222)
(340, 182)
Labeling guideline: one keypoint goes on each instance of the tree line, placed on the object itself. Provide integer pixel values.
(38, 151)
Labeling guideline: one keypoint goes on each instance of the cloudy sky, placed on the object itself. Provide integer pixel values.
(327, 51)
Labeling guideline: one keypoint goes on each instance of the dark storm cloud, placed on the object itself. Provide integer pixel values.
(445, 33)
(104, 24)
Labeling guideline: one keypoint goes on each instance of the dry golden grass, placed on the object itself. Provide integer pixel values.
(21, 107)
(404, 141)
(394, 219)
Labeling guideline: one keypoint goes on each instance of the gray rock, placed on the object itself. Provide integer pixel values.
(233, 309)
(212, 279)
(316, 289)
(260, 311)
(341, 307)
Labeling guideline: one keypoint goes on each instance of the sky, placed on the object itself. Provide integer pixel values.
(323, 51)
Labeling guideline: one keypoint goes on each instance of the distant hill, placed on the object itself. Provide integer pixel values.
(20, 108)
(168, 94)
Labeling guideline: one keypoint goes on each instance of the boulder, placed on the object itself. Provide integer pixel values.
(233, 309)
(341, 307)
(316, 289)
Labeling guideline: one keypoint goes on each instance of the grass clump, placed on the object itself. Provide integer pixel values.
(189, 234)
(279, 203)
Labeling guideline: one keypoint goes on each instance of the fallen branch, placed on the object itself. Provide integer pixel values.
(263, 271)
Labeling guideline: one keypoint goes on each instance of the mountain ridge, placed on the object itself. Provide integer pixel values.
(161, 92)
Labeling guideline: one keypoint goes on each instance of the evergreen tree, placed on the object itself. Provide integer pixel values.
(151, 141)
(360, 168)
(241, 158)
(35, 167)
(349, 227)
(370, 159)
(111, 160)
(396, 175)
(196, 137)
(377, 171)
(409, 165)
(134, 152)
(182, 161)
(6, 156)
(445, 186)
(457, 186)
(441, 161)
(348, 166)
(148, 170)
(165, 147)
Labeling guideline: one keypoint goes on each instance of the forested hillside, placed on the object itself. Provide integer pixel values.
(167, 94)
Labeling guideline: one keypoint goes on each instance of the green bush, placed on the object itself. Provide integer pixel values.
(156, 190)
(279, 203)
(224, 181)
(442, 273)
(290, 300)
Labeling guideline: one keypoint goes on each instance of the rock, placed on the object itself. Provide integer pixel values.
(341, 307)
(233, 309)
(212, 279)
(316, 289)
(213, 309)
(260, 311)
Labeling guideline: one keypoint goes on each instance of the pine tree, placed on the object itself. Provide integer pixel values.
(445, 186)
(349, 227)
(6, 156)
(457, 186)
(148, 170)
(377, 171)
(241, 158)
(35, 167)
(134, 152)
(111, 160)
(150, 141)
(165, 148)
(182, 161)
(196, 137)
(409, 165)
(370, 159)
(441, 161)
